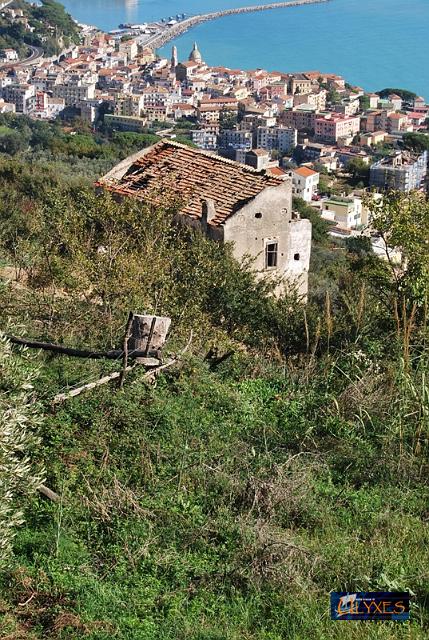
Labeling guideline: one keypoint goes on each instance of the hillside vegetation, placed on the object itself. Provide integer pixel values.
(70, 148)
(52, 28)
(226, 500)
(406, 95)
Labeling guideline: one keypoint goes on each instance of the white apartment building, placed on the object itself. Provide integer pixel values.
(205, 139)
(21, 95)
(10, 55)
(346, 212)
(74, 92)
(129, 105)
(282, 139)
(236, 139)
(304, 183)
(153, 96)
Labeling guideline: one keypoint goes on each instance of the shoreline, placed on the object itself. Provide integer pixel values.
(161, 39)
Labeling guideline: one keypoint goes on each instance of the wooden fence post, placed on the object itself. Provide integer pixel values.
(125, 347)
(148, 334)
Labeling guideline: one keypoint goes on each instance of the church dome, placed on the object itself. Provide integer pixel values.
(195, 55)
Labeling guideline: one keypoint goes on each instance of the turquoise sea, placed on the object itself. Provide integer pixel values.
(373, 43)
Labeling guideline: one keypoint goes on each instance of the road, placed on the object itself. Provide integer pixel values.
(36, 53)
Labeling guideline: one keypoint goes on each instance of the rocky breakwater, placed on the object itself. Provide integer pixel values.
(172, 32)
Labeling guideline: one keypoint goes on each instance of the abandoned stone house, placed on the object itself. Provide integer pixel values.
(231, 202)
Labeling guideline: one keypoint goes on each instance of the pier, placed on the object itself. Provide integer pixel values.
(166, 35)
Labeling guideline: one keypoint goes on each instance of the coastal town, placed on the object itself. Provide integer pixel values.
(214, 336)
(311, 126)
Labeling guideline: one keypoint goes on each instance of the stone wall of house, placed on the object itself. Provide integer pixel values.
(299, 254)
(266, 219)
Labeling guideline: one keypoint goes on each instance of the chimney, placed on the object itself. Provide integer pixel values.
(209, 211)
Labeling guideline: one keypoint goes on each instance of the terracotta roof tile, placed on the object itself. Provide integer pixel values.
(191, 176)
(305, 172)
(276, 171)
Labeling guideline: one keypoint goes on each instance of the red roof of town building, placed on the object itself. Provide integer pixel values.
(276, 171)
(305, 172)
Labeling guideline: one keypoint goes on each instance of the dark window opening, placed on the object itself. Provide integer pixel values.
(271, 249)
(296, 256)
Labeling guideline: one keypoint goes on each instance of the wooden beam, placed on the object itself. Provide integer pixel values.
(125, 349)
(114, 354)
(117, 374)
(91, 385)
(49, 493)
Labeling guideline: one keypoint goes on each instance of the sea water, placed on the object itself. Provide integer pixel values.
(372, 43)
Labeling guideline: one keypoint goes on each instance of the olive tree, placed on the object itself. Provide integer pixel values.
(20, 418)
(402, 220)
